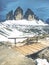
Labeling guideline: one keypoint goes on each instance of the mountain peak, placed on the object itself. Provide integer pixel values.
(18, 14)
(29, 15)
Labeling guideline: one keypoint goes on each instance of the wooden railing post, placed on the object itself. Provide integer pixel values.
(15, 41)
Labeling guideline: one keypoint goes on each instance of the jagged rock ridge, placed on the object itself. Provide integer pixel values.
(18, 15)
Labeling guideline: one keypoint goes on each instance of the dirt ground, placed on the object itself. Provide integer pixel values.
(10, 57)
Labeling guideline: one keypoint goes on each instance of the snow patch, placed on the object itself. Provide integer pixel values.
(42, 61)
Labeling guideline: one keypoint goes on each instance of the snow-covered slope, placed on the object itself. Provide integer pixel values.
(17, 28)
(25, 22)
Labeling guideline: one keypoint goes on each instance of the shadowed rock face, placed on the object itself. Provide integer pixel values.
(29, 15)
(9, 16)
(44, 54)
(36, 17)
(18, 14)
(47, 21)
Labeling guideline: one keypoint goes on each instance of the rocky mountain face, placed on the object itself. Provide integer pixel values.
(36, 17)
(9, 15)
(18, 15)
(29, 14)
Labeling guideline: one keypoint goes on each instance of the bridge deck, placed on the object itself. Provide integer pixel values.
(30, 49)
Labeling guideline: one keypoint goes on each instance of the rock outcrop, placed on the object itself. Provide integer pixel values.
(29, 15)
(18, 14)
(9, 16)
(44, 54)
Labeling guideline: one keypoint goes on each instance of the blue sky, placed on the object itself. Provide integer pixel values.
(39, 7)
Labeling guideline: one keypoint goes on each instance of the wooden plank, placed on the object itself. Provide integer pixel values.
(19, 50)
(38, 46)
(24, 49)
(30, 48)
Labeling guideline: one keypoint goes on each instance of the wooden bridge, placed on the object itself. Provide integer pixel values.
(30, 49)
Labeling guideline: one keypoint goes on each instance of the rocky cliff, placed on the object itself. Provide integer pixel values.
(9, 15)
(29, 14)
(18, 14)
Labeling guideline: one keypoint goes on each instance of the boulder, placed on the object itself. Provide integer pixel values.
(18, 14)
